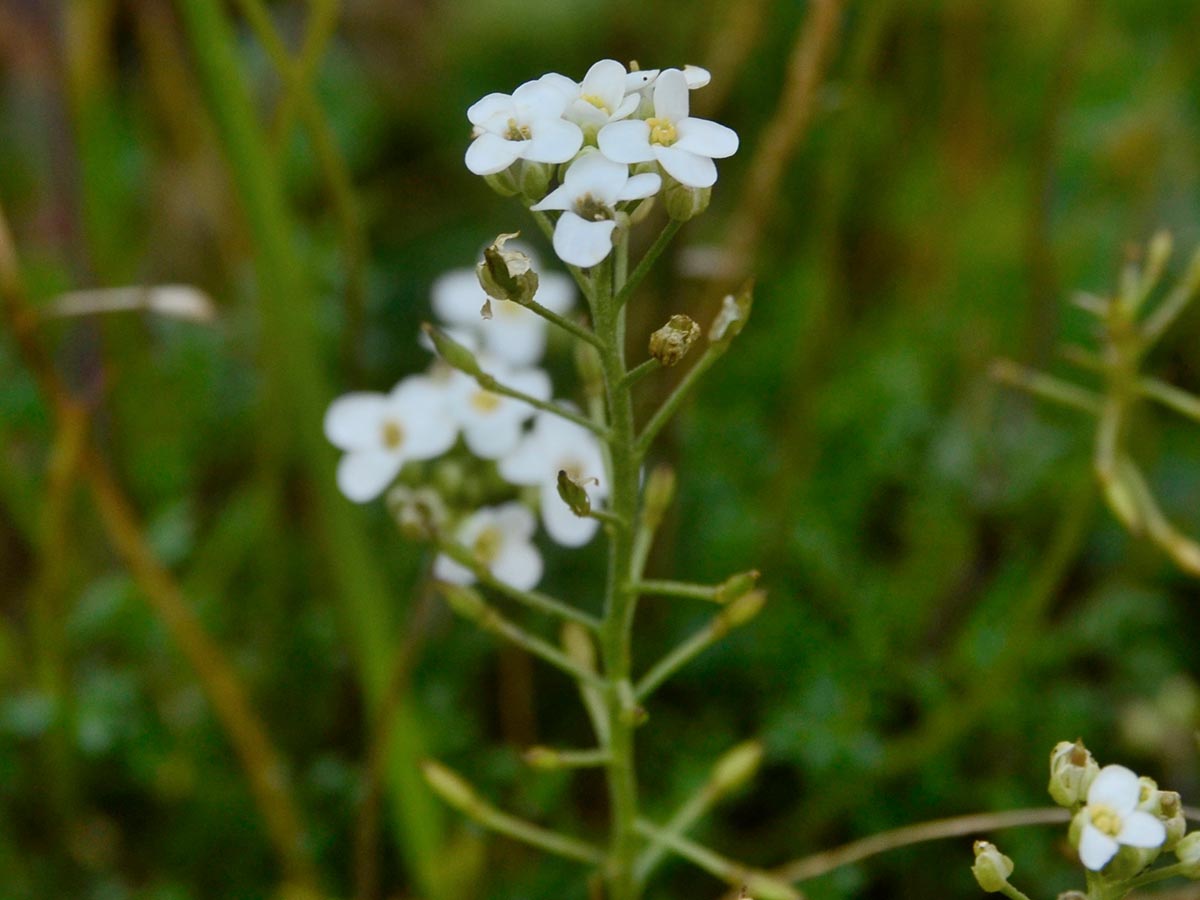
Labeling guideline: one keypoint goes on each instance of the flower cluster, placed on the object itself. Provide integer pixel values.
(619, 136)
(446, 414)
(1121, 824)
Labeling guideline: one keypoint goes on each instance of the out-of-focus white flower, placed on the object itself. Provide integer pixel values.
(602, 97)
(491, 423)
(381, 432)
(1111, 818)
(556, 445)
(513, 333)
(527, 124)
(589, 194)
(684, 146)
(500, 539)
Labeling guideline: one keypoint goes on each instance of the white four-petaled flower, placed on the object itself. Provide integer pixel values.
(381, 432)
(557, 445)
(589, 194)
(500, 539)
(602, 97)
(684, 146)
(491, 423)
(527, 124)
(1111, 818)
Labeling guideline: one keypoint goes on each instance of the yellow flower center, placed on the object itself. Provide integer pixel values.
(662, 132)
(485, 401)
(596, 102)
(517, 132)
(487, 546)
(1106, 820)
(392, 434)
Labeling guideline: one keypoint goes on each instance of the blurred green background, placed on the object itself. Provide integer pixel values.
(948, 595)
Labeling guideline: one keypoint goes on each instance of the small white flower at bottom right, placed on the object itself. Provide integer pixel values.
(1111, 818)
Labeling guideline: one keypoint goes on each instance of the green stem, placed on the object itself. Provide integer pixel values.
(680, 589)
(1012, 893)
(556, 758)
(489, 383)
(620, 599)
(644, 264)
(640, 371)
(1161, 874)
(671, 405)
(568, 325)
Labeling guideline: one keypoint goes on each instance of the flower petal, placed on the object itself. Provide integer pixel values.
(1141, 829)
(1116, 787)
(554, 140)
(559, 198)
(491, 105)
(362, 475)
(687, 168)
(516, 519)
(492, 437)
(671, 96)
(515, 335)
(1095, 848)
(595, 174)
(696, 77)
(640, 186)
(582, 243)
(635, 81)
(489, 153)
(527, 464)
(706, 138)
(605, 81)
(626, 142)
(545, 97)
(447, 569)
(564, 527)
(457, 297)
(353, 420)
(519, 564)
(627, 107)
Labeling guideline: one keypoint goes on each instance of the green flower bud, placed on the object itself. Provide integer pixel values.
(448, 785)
(506, 274)
(683, 202)
(1072, 770)
(991, 868)
(743, 609)
(737, 766)
(660, 491)
(577, 644)
(504, 183)
(534, 179)
(671, 343)
(736, 586)
(1187, 851)
(452, 351)
(1129, 861)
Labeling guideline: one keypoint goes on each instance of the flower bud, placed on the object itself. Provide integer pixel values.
(463, 600)
(1171, 812)
(1187, 851)
(506, 274)
(991, 868)
(452, 351)
(448, 785)
(683, 202)
(660, 491)
(504, 183)
(534, 179)
(736, 586)
(573, 494)
(671, 343)
(1129, 861)
(737, 766)
(1072, 769)
(577, 644)
(742, 610)
(542, 758)
(1072, 895)
(732, 317)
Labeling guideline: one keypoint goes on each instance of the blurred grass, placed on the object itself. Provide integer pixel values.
(947, 598)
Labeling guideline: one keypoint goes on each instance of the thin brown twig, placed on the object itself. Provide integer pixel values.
(263, 765)
(806, 70)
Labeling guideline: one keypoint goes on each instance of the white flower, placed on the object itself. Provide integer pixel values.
(381, 432)
(685, 147)
(557, 445)
(1111, 818)
(499, 537)
(491, 423)
(602, 97)
(590, 192)
(527, 124)
(513, 334)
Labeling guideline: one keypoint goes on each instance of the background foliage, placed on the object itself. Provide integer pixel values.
(948, 596)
